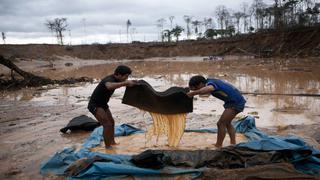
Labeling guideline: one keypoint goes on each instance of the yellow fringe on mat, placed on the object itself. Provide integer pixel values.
(171, 125)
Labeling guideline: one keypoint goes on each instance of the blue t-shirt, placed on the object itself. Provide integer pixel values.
(225, 92)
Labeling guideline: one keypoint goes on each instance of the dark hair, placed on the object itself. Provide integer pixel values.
(122, 70)
(196, 80)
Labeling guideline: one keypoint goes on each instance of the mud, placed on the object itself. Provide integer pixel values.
(292, 42)
(31, 118)
(189, 141)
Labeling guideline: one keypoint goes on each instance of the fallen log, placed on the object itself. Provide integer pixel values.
(247, 52)
(30, 79)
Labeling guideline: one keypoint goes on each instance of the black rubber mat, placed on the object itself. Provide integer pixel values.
(225, 158)
(172, 101)
(82, 122)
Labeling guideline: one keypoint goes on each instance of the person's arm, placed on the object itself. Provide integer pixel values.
(116, 85)
(204, 90)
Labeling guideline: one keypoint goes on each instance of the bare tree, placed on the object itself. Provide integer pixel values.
(227, 19)
(258, 7)
(128, 26)
(188, 19)
(50, 27)
(160, 25)
(238, 16)
(167, 34)
(196, 25)
(132, 33)
(277, 14)
(269, 13)
(315, 13)
(3, 37)
(245, 9)
(171, 20)
(58, 25)
(222, 14)
(251, 14)
(207, 22)
(84, 30)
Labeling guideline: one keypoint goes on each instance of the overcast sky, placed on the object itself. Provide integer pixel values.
(100, 21)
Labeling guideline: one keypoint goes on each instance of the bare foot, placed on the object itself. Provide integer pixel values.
(108, 147)
(217, 145)
(114, 143)
(110, 150)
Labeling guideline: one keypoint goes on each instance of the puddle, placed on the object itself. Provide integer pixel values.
(189, 141)
(271, 110)
(32, 117)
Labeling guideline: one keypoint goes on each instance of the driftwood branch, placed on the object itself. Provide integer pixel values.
(247, 52)
(8, 63)
(225, 51)
(30, 79)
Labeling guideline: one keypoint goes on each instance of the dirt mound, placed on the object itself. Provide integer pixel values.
(285, 43)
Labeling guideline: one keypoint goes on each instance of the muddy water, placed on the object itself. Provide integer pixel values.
(189, 141)
(271, 110)
(31, 118)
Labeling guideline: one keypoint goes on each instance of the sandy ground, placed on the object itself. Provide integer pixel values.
(31, 118)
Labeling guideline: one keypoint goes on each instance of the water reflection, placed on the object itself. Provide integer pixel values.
(272, 110)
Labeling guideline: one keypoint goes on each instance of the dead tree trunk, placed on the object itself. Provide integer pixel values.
(28, 77)
(33, 80)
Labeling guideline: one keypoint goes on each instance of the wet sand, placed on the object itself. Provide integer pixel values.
(139, 143)
(31, 118)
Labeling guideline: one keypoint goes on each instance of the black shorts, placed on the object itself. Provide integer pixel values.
(237, 106)
(93, 108)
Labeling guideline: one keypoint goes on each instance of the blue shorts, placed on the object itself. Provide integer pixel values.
(237, 106)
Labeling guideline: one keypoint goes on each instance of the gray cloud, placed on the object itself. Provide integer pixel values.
(102, 17)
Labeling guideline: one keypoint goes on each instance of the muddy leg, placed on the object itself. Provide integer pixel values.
(231, 130)
(225, 123)
(112, 128)
(106, 120)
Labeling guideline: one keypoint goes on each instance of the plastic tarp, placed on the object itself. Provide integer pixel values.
(307, 162)
(114, 165)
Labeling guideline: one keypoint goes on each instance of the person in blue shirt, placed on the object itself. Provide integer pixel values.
(234, 103)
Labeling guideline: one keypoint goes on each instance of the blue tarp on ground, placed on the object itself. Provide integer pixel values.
(308, 162)
(117, 165)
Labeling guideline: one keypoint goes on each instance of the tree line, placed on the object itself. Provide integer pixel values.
(258, 16)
